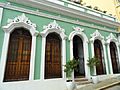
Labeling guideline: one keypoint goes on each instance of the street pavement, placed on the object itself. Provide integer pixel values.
(116, 87)
(112, 83)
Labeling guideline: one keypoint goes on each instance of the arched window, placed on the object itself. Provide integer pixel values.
(53, 67)
(18, 56)
(114, 58)
(98, 49)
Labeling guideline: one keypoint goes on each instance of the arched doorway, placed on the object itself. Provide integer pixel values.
(53, 67)
(114, 58)
(98, 49)
(79, 55)
(18, 56)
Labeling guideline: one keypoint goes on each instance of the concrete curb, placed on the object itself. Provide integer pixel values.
(110, 85)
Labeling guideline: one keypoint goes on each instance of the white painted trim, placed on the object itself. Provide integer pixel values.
(56, 1)
(42, 70)
(53, 27)
(63, 57)
(56, 17)
(20, 21)
(94, 13)
(105, 58)
(109, 18)
(75, 7)
(109, 58)
(92, 53)
(79, 32)
(94, 36)
(112, 38)
(1, 14)
(4, 56)
(32, 59)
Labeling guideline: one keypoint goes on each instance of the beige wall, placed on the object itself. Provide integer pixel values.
(104, 5)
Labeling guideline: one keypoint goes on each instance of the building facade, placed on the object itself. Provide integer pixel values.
(39, 36)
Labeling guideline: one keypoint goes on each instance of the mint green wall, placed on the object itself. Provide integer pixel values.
(3, 0)
(38, 58)
(40, 22)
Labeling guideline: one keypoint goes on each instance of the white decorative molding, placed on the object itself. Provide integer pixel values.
(76, 7)
(79, 32)
(78, 29)
(112, 38)
(50, 28)
(21, 18)
(94, 13)
(18, 22)
(53, 25)
(108, 17)
(57, 2)
(96, 35)
(1, 14)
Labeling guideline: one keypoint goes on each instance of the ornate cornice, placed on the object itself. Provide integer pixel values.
(38, 13)
(78, 31)
(20, 21)
(53, 25)
(66, 10)
(21, 18)
(112, 38)
(96, 35)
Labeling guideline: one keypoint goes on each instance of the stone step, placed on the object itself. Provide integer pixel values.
(80, 79)
(83, 82)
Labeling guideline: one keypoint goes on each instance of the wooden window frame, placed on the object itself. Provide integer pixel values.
(22, 22)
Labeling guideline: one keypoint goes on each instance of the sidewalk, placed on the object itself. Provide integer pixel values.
(101, 85)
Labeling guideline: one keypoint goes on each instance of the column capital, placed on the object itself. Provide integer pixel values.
(91, 41)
